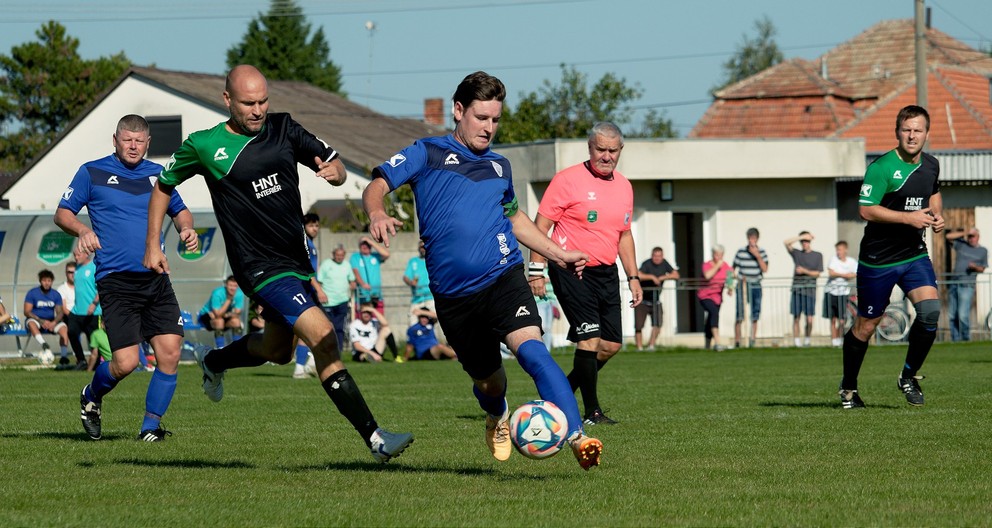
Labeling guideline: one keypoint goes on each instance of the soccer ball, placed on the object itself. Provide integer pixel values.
(47, 357)
(538, 429)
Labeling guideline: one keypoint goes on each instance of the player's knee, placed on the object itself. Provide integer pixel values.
(928, 312)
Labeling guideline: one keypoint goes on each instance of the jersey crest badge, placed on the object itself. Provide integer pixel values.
(865, 190)
(220, 155)
(592, 216)
(396, 160)
(496, 167)
(67, 193)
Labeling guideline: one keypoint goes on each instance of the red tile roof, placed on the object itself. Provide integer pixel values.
(868, 79)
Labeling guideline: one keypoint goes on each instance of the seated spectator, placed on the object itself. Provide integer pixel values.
(256, 323)
(5, 317)
(222, 311)
(99, 348)
(422, 343)
(43, 315)
(368, 341)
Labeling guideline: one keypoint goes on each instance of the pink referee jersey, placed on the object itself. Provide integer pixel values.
(589, 213)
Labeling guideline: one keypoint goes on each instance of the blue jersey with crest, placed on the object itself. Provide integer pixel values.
(464, 201)
(116, 198)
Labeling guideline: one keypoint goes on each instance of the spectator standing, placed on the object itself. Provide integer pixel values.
(653, 273)
(717, 276)
(337, 280)
(68, 288)
(750, 265)
(43, 314)
(808, 266)
(305, 363)
(366, 266)
(841, 270)
(84, 317)
(970, 259)
(222, 311)
(419, 282)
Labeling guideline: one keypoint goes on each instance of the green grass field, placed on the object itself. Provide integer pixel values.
(742, 438)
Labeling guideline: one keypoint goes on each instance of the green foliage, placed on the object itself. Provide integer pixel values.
(752, 55)
(569, 109)
(276, 43)
(43, 86)
(740, 438)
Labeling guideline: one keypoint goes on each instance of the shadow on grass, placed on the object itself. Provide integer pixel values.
(194, 463)
(365, 467)
(48, 435)
(818, 405)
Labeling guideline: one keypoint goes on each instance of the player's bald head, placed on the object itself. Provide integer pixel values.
(242, 76)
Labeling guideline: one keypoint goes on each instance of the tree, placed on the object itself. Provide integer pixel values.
(276, 44)
(752, 55)
(569, 109)
(43, 86)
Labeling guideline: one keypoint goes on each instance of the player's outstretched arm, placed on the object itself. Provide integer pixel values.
(530, 235)
(68, 222)
(381, 225)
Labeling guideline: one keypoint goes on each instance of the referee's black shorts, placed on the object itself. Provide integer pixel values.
(138, 306)
(591, 304)
(476, 324)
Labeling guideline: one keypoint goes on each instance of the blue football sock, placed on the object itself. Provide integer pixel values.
(219, 341)
(551, 382)
(301, 354)
(142, 358)
(160, 391)
(63, 351)
(102, 383)
(494, 405)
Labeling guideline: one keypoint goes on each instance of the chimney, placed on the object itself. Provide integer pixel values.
(434, 111)
(824, 71)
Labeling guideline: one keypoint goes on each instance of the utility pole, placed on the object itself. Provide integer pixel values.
(921, 55)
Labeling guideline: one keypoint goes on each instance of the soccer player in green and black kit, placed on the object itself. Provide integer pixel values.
(900, 199)
(250, 166)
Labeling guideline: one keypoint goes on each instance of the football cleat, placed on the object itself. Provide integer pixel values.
(849, 399)
(498, 434)
(598, 418)
(386, 446)
(213, 384)
(89, 413)
(586, 450)
(154, 435)
(310, 369)
(911, 388)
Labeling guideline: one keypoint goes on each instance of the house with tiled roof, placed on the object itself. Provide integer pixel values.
(178, 103)
(855, 91)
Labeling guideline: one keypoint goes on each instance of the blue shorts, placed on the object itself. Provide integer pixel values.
(284, 299)
(875, 284)
(803, 302)
(753, 293)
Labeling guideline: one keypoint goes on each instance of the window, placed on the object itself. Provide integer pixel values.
(167, 135)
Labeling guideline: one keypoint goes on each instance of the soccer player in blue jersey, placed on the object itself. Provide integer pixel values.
(471, 224)
(138, 304)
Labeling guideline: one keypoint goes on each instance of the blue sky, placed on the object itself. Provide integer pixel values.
(422, 48)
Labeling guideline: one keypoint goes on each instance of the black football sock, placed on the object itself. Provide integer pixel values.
(345, 394)
(854, 355)
(920, 341)
(391, 343)
(234, 355)
(584, 377)
(600, 363)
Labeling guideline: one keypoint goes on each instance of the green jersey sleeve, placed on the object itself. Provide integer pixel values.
(874, 186)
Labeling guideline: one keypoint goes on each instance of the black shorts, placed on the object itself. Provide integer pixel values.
(476, 324)
(834, 306)
(591, 304)
(138, 306)
(643, 310)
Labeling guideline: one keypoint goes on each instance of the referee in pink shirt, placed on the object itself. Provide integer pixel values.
(590, 206)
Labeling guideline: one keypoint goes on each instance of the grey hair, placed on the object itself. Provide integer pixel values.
(605, 129)
(718, 248)
(132, 123)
